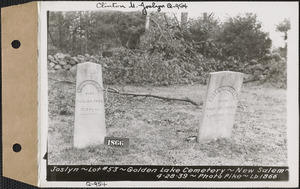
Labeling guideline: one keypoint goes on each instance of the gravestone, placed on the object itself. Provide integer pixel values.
(89, 124)
(220, 105)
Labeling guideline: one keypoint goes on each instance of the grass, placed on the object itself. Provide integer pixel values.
(157, 129)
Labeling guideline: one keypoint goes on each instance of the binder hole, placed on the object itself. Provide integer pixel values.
(17, 147)
(16, 44)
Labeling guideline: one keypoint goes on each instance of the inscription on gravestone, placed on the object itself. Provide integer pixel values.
(220, 105)
(89, 127)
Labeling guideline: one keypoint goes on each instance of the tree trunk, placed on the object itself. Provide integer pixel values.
(147, 25)
(184, 19)
(48, 23)
(60, 31)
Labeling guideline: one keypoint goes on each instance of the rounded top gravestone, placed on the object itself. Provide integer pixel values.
(89, 126)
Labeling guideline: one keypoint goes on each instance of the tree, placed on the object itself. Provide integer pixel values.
(204, 29)
(243, 38)
(202, 32)
(284, 26)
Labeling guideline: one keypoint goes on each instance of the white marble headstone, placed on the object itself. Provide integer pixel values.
(220, 105)
(89, 126)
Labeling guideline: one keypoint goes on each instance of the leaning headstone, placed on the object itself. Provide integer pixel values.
(89, 126)
(220, 105)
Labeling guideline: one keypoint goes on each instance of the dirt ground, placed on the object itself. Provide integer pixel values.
(157, 129)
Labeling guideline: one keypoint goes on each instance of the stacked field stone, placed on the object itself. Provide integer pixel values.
(61, 61)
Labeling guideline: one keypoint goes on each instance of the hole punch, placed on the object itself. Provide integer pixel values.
(16, 44)
(17, 147)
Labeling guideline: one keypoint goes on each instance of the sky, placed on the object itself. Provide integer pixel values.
(269, 23)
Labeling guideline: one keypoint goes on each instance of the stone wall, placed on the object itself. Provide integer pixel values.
(61, 61)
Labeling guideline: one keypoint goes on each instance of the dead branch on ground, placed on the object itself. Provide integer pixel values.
(115, 91)
(111, 90)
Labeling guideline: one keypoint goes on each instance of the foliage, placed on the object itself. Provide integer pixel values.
(81, 32)
(276, 70)
(282, 51)
(284, 26)
(204, 28)
(168, 52)
(243, 38)
(202, 33)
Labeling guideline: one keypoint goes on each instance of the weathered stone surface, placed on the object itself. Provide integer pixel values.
(56, 58)
(51, 64)
(87, 56)
(89, 126)
(220, 105)
(67, 56)
(50, 57)
(73, 69)
(67, 67)
(60, 56)
(72, 62)
(55, 62)
(75, 59)
(57, 67)
(62, 63)
(81, 59)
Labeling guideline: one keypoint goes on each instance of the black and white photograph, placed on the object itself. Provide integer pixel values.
(161, 84)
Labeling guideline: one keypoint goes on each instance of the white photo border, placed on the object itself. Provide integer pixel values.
(291, 8)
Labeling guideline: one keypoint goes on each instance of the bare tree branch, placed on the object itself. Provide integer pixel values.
(160, 30)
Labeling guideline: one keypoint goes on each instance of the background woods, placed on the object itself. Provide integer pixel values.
(81, 32)
(161, 49)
